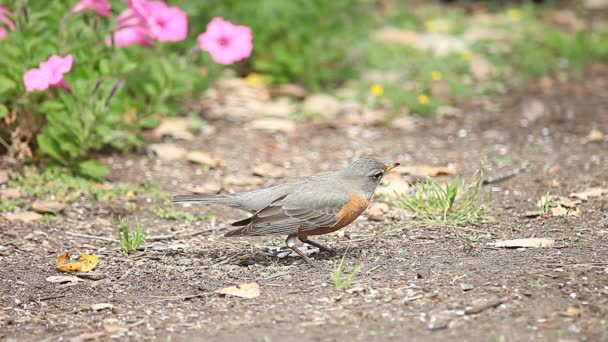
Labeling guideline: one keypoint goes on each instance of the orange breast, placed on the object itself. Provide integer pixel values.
(355, 206)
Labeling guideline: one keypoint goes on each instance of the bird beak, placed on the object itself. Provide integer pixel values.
(390, 166)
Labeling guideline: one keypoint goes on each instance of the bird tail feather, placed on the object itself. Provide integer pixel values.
(207, 199)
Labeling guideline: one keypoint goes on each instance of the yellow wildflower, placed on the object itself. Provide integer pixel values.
(376, 90)
(430, 25)
(423, 99)
(254, 79)
(436, 76)
(514, 14)
(467, 55)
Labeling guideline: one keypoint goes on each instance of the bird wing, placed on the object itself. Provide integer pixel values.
(304, 210)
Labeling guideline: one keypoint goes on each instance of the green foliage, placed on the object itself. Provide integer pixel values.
(173, 214)
(312, 42)
(450, 203)
(65, 186)
(9, 205)
(130, 240)
(520, 44)
(113, 94)
(545, 204)
(341, 280)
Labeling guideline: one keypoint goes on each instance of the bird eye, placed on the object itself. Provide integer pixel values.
(377, 175)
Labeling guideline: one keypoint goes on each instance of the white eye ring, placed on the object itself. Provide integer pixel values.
(377, 175)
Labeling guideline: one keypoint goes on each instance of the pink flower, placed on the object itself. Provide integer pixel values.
(227, 43)
(4, 19)
(101, 7)
(144, 20)
(167, 24)
(49, 73)
(133, 30)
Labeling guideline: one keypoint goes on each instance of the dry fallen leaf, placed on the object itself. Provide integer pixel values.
(281, 108)
(25, 216)
(243, 180)
(481, 69)
(3, 176)
(571, 311)
(534, 109)
(101, 222)
(405, 123)
(567, 202)
(207, 159)
(519, 243)
(425, 170)
(565, 211)
(589, 193)
(101, 306)
(378, 209)
(207, 188)
(176, 128)
(390, 35)
(248, 290)
(11, 193)
(64, 279)
(48, 207)
(595, 135)
(322, 103)
(568, 19)
(274, 125)
(84, 263)
(268, 170)
(290, 90)
(168, 152)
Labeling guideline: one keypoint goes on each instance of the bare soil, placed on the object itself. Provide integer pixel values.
(418, 282)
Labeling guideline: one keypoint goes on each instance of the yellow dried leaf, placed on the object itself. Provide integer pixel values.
(84, 263)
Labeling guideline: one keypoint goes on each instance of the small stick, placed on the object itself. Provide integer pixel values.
(482, 307)
(176, 236)
(91, 237)
(50, 297)
(506, 175)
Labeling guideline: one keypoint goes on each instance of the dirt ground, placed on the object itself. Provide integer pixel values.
(418, 282)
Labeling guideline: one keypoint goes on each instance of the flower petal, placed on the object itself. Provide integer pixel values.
(36, 79)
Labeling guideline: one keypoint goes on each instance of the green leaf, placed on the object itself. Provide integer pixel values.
(104, 66)
(50, 147)
(3, 111)
(92, 169)
(6, 84)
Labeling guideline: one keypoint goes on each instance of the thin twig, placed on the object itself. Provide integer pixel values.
(86, 236)
(507, 175)
(176, 236)
(51, 297)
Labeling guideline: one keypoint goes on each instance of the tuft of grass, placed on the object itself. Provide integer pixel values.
(545, 204)
(174, 214)
(453, 203)
(341, 280)
(130, 240)
(9, 205)
(66, 187)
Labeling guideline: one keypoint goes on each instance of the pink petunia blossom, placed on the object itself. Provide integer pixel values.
(146, 20)
(133, 29)
(49, 73)
(4, 19)
(167, 24)
(101, 7)
(227, 43)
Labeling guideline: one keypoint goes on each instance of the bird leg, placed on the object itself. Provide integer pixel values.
(291, 243)
(305, 239)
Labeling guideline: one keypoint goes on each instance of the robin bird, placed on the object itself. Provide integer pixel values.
(315, 205)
